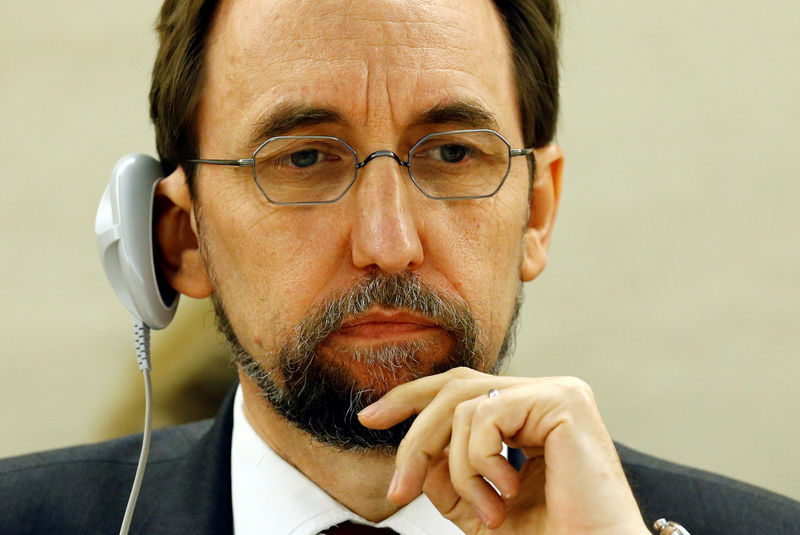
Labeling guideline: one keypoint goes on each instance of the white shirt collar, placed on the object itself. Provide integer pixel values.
(270, 496)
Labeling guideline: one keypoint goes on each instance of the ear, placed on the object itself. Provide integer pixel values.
(176, 247)
(543, 208)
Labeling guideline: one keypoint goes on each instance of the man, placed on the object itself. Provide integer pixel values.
(363, 187)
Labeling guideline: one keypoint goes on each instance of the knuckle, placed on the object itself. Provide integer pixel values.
(404, 451)
(459, 479)
(453, 388)
(576, 390)
(462, 412)
(476, 459)
(461, 372)
(485, 408)
(411, 456)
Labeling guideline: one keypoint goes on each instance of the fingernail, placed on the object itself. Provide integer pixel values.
(393, 484)
(369, 410)
(481, 516)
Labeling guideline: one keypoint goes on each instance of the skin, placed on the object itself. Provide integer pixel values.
(380, 63)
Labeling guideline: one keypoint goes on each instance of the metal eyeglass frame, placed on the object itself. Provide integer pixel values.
(250, 162)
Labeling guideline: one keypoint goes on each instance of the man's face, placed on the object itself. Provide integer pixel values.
(380, 65)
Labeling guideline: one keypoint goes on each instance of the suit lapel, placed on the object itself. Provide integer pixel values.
(191, 493)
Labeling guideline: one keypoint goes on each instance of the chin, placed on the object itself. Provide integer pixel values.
(379, 368)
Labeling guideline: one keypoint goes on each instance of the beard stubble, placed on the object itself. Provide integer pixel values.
(321, 395)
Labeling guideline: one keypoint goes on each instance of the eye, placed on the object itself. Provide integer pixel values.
(293, 158)
(452, 153)
(305, 157)
(449, 153)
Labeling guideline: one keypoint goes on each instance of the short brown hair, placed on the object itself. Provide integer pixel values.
(183, 25)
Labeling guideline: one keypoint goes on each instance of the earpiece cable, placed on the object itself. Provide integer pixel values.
(142, 339)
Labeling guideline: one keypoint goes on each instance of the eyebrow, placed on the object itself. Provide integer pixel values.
(462, 113)
(287, 117)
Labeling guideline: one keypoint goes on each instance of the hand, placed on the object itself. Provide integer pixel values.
(572, 483)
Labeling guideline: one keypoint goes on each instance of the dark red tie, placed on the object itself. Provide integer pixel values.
(349, 528)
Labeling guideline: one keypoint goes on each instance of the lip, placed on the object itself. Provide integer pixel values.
(387, 325)
(390, 316)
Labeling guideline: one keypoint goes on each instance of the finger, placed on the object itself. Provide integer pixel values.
(430, 434)
(560, 419)
(486, 445)
(412, 465)
(424, 442)
(438, 487)
(411, 398)
(440, 491)
(467, 481)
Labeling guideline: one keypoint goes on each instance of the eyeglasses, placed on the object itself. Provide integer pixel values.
(303, 170)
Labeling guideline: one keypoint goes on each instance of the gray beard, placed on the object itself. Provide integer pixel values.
(323, 399)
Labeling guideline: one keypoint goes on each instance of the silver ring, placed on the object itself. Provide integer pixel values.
(493, 393)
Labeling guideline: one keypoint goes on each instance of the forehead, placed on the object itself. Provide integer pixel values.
(379, 62)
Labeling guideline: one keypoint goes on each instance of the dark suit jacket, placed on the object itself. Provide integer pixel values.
(187, 489)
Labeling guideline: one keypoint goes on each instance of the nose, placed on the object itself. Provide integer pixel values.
(385, 232)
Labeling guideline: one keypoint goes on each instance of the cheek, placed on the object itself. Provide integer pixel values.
(479, 251)
(269, 264)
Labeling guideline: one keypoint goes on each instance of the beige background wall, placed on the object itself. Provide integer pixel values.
(674, 280)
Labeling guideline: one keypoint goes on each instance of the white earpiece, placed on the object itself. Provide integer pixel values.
(124, 230)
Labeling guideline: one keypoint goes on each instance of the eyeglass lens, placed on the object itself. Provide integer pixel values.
(308, 169)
